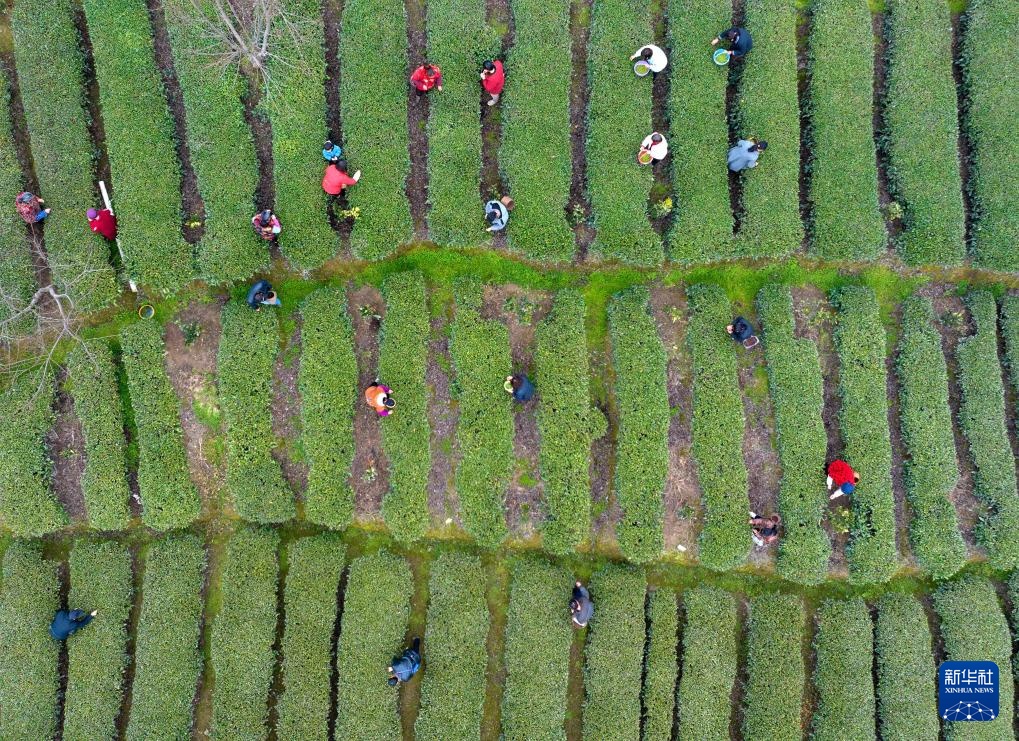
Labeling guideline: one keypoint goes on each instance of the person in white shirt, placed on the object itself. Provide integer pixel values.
(653, 57)
(655, 145)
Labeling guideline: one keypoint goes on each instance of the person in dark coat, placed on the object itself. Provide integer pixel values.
(406, 665)
(739, 41)
(764, 530)
(581, 606)
(740, 329)
(520, 386)
(261, 294)
(66, 622)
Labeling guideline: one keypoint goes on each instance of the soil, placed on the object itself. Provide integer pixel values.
(192, 372)
(261, 133)
(96, 129)
(65, 444)
(742, 671)
(493, 185)
(443, 415)
(803, 89)
(334, 674)
(331, 13)
(276, 686)
(368, 454)
(682, 499)
(965, 142)
(286, 413)
(497, 596)
(417, 120)
(903, 514)
(606, 511)
(662, 170)
(127, 682)
(64, 587)
(879, 27)
(580, 96)
(809, 704)
(575, 687)
(732, 116)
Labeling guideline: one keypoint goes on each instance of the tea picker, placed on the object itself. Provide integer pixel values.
(261, 294)
(123, 260)
(739, 40)
(652, 149)
(649, 58)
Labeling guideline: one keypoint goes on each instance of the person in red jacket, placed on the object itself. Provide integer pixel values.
(842, 477)
(493, 78)
(426, 77)
(102, 222)
(336, 178)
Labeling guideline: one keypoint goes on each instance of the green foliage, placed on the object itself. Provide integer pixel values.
(776, 675)
(17, 278)
(1010, 331)
(863, 419)
(658, 696)
(906, 687)
(481, 356)
(247, 356)
(843, 172)
(566, 421)
(618, 119)
(797, 392)
(139, 138)
(974, 628)
(537, 652)
(313, 579)
(453, 689)
(535, 152)
(931, 468)
(97, 403)
(642, 441)
(718, 430)
(243, 635)
(460, 40)
(27, 506)
(373, 94)
(982, 418)
(169, 499)
(296, 105)
(222, 150)
(167, 661)
(53, 97)
(375, 612)
(769, 109)
(97, 655)
(844, 644)
(615, 653)
(28, 673)
(922, 125)
(709, 664)
(403, 357)
(992, 128)
(328, 385)
(702, 226)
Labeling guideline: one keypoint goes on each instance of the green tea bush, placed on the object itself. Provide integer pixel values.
(139, 138)
(403, 359)
(769, 109)
(222, 151)
(169, 498)
(863, 419)
(702, 224)
(373, 94)
(846, 223)
(53, 97)
(615, 653)
(844, 645)
(535, 156)
(658, 696)
(241, 644)
(618, 119)
(775, 672)
(537, 653)
(992, 129)
(931, 468)
(27, 505)
(718, 430)
(1010, 331)
(710, 656)
(313, 579)
(17, 278)
(29, 596)
(247, 356)
(974, 628)
(982, 418)
(906, 684)
(97, 656)
(481, 357)
(797, 392)
(566, 421)
(93, 377)
(328, 385)
(460, 40)
(921, 105)
(296, 104)
(375, 612)
(642, 441)
(167, 660)
(453, 688)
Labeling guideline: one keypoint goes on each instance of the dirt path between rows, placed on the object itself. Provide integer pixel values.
(879, 26)
(578, 209)
(417, 119)
(285, 409)
(500, 17)
(443, 415)
(662, 170)
(804, 21)
(903, 513)
(65, 445)
(965, 142)
(332, 11)
(261, 134)
(732, 116)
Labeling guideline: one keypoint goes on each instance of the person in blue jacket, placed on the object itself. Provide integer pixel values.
(520, 386)
(406, 665)
(581, 606)
(66, 622)
(331, 152)
(261, 294)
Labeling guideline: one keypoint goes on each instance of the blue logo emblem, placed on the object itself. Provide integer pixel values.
(968, 690)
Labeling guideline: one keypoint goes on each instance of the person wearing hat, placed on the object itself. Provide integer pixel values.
(654, 57)
(102, 222)
(265, 224)
(520, 386)
(745, 154)
(764, 530)
(66, 622)
(261, 294)
(581, 606)
(379, 398)
(842, 477)
(405, 665)
(331, 152)
(30, 207)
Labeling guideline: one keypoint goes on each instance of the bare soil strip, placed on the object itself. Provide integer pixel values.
(417, 120)
(443, 416)
(127, 683)
(65, 445)
(803, 92)
(578, 210)
(965, 142)
(493, 185)
(332, 11)
(903, 513)
(286, 412)
(879, 25)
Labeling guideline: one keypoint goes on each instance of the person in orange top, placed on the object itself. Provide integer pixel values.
(378, 397)
(493, 78)
(842, 476)
(426, 77)
(336, 178)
